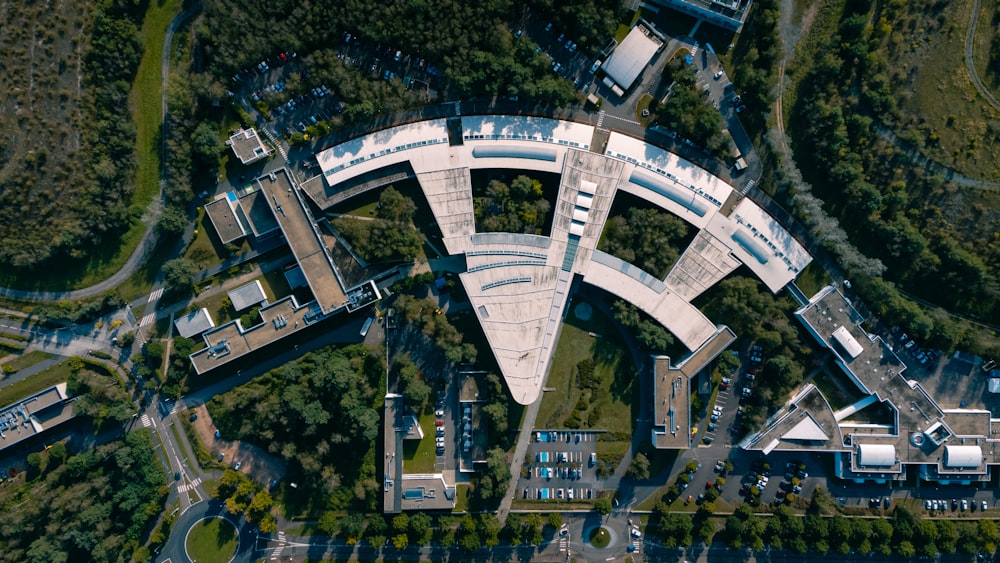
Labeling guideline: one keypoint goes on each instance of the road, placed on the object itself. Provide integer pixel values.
(970, 63)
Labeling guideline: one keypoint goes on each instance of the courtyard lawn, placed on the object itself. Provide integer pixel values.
(56, 374)
(26, 360)
(419, 455)
(613, 404)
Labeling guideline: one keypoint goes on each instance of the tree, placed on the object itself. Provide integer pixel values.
(420, 528)
(173, 221)
(639, 469)
(179, 274)
(400, 541)
(206, 147)
(555, 520)
(602, 506)
(394, 206)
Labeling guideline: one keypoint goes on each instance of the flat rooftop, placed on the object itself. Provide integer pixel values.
(247, 146)
(477, 128)
(220, 212)
(629, 59)
(304, 240)
(672, 391)
(34, 414)
(231, 340)
(921, 429)
(258, 212)
(247, 295)
(365, 152)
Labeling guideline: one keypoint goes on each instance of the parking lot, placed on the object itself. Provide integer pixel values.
(560, 465)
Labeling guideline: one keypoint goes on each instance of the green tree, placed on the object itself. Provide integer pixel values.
(173, 221)
(179, 274)
(639, 468)
(555, 520)
(602, 506)
(420, 528)
(395, 207)
(206, 146)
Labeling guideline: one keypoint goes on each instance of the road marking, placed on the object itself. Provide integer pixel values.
(147, 319)
(155, 295)
(618, 118)
(600, 118)
(186, 488)
(146, 422)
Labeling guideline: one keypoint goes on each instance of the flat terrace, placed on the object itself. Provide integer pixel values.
(231, 341)
(304, 240)
(220, 212)
(258, 212)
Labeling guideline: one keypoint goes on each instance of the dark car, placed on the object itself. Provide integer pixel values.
(194, 417)
(177, 475)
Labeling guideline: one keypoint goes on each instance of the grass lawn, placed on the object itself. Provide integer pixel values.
(644, 102)
(177, 438)
(812, 279)
(35, 383)
(835, 391)
(27, 360)
(599, 537)
(463, 492)
(615, 400)
(419, 455)
(212, 541)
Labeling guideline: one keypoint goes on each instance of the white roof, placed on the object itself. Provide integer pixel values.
(367, 153)
(994, 385)
(962, 456)
(806, 429)
(627, 61)
(247, 295)
(876, 455)
(194, 324)
(491, 128)
(847, 342)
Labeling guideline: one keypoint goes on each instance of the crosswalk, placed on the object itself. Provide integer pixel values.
(600, 118)
(275, 142)
(146, 421)
(188, 487)
(147, 319)
(458, 108)
(276, 552)
(155, 295)
(749, 185)
(563, 543)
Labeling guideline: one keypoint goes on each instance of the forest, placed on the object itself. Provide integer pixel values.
(66, 187)
(322, 415)
(92, 506)
(930, 250)
(478, 58)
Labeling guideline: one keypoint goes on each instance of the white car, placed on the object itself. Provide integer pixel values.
(439, 413)
(718, 75)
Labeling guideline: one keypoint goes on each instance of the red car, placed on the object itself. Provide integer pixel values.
(439, 422)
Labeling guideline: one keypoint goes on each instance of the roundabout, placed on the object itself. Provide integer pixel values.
(213, 539)
(600, 537)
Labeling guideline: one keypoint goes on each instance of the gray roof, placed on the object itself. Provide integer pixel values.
(634, 53)
(194, 323)
(247, 295)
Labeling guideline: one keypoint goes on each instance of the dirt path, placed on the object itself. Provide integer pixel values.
(790, 35)
(970, 44)
(255, 462)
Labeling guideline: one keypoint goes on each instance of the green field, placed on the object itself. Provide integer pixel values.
(616, 398)
(212, 541)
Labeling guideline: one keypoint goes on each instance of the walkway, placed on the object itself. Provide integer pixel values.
(970, 64)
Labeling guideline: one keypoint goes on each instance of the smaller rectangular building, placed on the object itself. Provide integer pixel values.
(247, 295)
(223, 218)
(247, 146)
(195, 323)
(629, 59)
